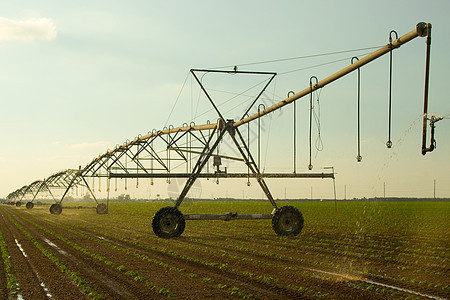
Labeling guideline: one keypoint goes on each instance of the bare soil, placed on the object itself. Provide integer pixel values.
(214, 260)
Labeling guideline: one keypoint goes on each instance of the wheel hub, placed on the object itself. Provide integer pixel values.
(288, 222)
(168, 223)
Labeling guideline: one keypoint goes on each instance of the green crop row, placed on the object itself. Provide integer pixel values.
(79, 281)
(234, 290)
(103, 259)
(321, 252)
(11, 285)
(137, 277)
(167, 251)
(365, 286)
(265, 278)
(401, 263)
(310, 292)
(112, 246)
(383, 239)
(221, 266)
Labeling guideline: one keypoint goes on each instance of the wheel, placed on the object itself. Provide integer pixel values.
(102, 209)
(56, 209)
(287, 220)
(18, 203)
(29, 205)
(168, 222)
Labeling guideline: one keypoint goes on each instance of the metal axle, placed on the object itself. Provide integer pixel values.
(228, 216)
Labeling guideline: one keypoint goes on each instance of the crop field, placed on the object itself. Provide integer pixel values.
(363, 250)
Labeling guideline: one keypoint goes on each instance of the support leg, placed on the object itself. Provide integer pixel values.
(203, 159)
(245, 152)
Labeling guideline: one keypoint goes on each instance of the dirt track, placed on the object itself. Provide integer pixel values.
(118, 261)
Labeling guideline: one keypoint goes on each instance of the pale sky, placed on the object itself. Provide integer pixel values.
(79, 77)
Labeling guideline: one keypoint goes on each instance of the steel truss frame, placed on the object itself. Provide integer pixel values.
(62, 181)
(191, 147)
(140, 158)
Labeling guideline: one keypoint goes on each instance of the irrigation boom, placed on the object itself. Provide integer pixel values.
(421, 29)
(143, 157)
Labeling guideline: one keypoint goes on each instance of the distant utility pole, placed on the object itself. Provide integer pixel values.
(384, 189)
(345, 192)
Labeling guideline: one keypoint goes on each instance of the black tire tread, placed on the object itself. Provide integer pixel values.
(56, 209)
(163, 212)
(276, 221)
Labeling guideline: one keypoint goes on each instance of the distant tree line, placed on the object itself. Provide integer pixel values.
(124, 197)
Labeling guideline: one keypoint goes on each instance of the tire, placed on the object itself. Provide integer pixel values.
(102, 209)
(29, 205)
(287, 221)
(56, 209)
(18, 204)
(168, 222)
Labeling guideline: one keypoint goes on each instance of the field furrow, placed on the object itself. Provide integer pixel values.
(337, 256)
(37, 275)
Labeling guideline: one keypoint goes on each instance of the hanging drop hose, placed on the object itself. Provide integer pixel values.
(248, 152)
(358, 157)
(389, 142)
(295, 132)
(310, 166)
(261, 107)
(316, 115)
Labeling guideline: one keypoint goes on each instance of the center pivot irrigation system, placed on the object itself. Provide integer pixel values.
(188, 151)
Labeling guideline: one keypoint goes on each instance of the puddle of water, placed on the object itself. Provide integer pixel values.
(47, 292)
(20, 248)
(56, 247)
